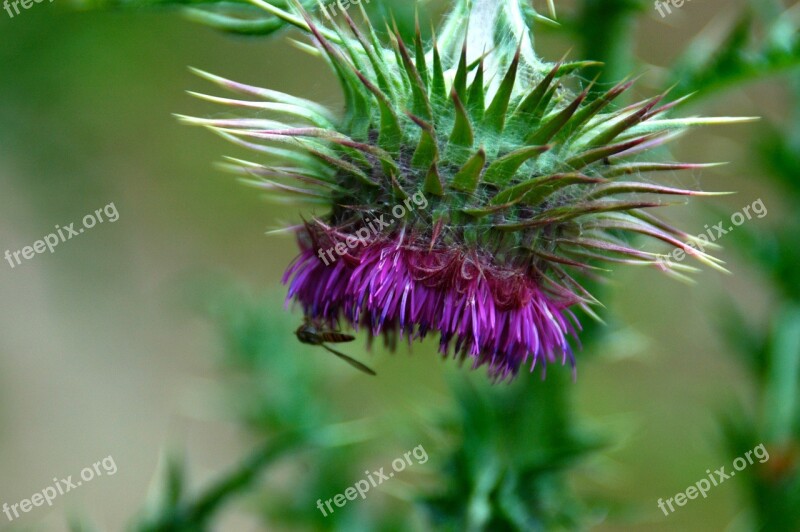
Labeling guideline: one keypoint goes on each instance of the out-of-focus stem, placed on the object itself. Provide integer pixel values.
(781, 393)
(605, 28)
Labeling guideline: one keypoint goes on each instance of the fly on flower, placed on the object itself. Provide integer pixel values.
(531, 187)
(313, 334)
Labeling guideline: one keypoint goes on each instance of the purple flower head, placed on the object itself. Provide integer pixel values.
(399, 287)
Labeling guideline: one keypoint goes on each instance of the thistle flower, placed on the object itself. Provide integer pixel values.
(525, 184)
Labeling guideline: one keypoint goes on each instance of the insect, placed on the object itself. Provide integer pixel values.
(313, 334)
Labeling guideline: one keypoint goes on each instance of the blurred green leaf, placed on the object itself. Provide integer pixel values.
(233, 16)
(198, 514)
(741, 57)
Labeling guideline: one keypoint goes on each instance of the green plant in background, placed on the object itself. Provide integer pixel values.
(509, 473)
(499, 478)
(764, 41)
(770, 352)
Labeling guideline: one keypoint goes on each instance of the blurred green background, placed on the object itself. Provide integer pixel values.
(103, 353)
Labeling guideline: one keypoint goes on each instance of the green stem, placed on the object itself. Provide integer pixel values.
(606, 29)
(781, 394)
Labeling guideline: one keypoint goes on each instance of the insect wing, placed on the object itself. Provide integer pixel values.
(353, 362)
(336, 337)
